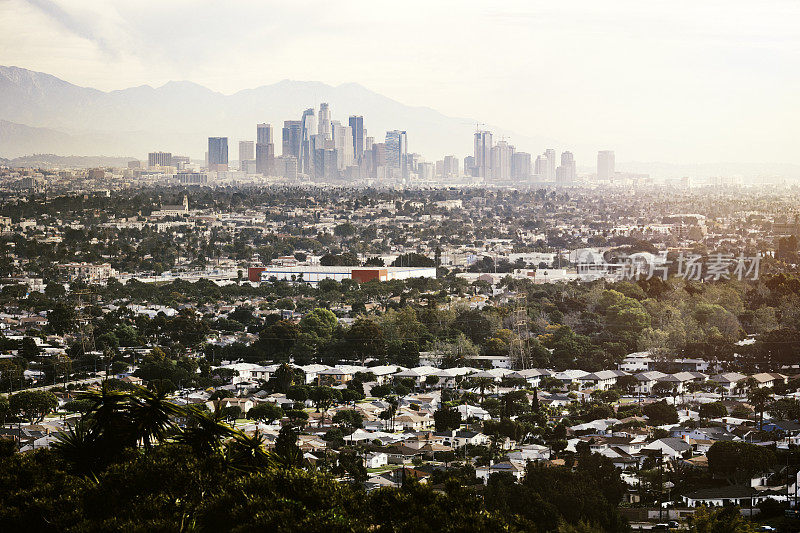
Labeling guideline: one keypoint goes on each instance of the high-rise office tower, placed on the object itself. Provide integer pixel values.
(264, 134)
(292, 138)
(469, 165)
(308, 129)
(540, 167)
(343, 142)
(324, 128)
(450, 166)
(551, 163)
(521, 165)
(397, 153)
(566, 172)
(483, 154)
(159, 159)
(265, 149)
(356, 123)
(368, 142)
(378, 160)
(605, 165)
(218, 154)
(246, 152)
(501, 161)
(265, 158)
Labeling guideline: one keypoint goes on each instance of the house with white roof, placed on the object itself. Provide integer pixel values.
(646, 380)
(311, 372)
(601, 380)
(765, 379)
(670, 447)
(568, 377)
(418, 374)
(729, 381)
(384, 373)
(473, 411)
(533, 375)
(636, 362)
(679, 380)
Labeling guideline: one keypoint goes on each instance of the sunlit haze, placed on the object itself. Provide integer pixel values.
(679, 81)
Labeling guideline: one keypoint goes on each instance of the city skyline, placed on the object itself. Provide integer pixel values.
(670, 108)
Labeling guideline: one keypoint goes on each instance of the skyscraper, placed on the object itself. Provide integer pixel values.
(605, 165)
(308, 129)
(450, 166)
(292, 138)
(324, 128)
(218, 154)
(264, 134)
(343, 142)
(566, 172)
(521, 165)
(397, 153)
(540, 167)
(483, 154)
(551, 164)
(159, 159)
(265, 149)
(501, 161)
(357, 126)
(246, 151)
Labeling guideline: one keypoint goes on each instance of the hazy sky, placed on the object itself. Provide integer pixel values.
(682, 81)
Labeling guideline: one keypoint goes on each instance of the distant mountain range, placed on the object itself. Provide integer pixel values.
(42, 113)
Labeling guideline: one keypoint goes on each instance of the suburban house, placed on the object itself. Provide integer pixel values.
(670, 447)
(647, 380)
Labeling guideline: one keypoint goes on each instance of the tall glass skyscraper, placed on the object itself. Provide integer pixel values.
(397, 153)
(308, 129)
(357, 125)
(218, 154)
(291, 138)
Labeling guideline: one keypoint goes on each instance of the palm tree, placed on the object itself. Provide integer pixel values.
(247, 453)
(483, 384)
(205, 431)
(151, 415)
(78, 447)
(108, 417)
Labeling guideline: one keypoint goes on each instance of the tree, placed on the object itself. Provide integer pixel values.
(349, 418)
(61, 318)
(738, 461)
(713, 410)
(266, 412)
(279, 339)
(364, 340)
(5, 410)
(286, 447)
(627, 383)
(785, 409)
(321, 323)
(446, 419)
(284, 378)
(659, 413)
(33, 405)
(413, 260)
(727, 520)
(483, 383)
(759, 397)
(324, 397)
(28, 349)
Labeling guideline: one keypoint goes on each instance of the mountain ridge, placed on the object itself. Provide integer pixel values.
(179, 115)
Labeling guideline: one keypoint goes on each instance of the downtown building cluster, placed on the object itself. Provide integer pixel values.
(502, 162)
(320, 149)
